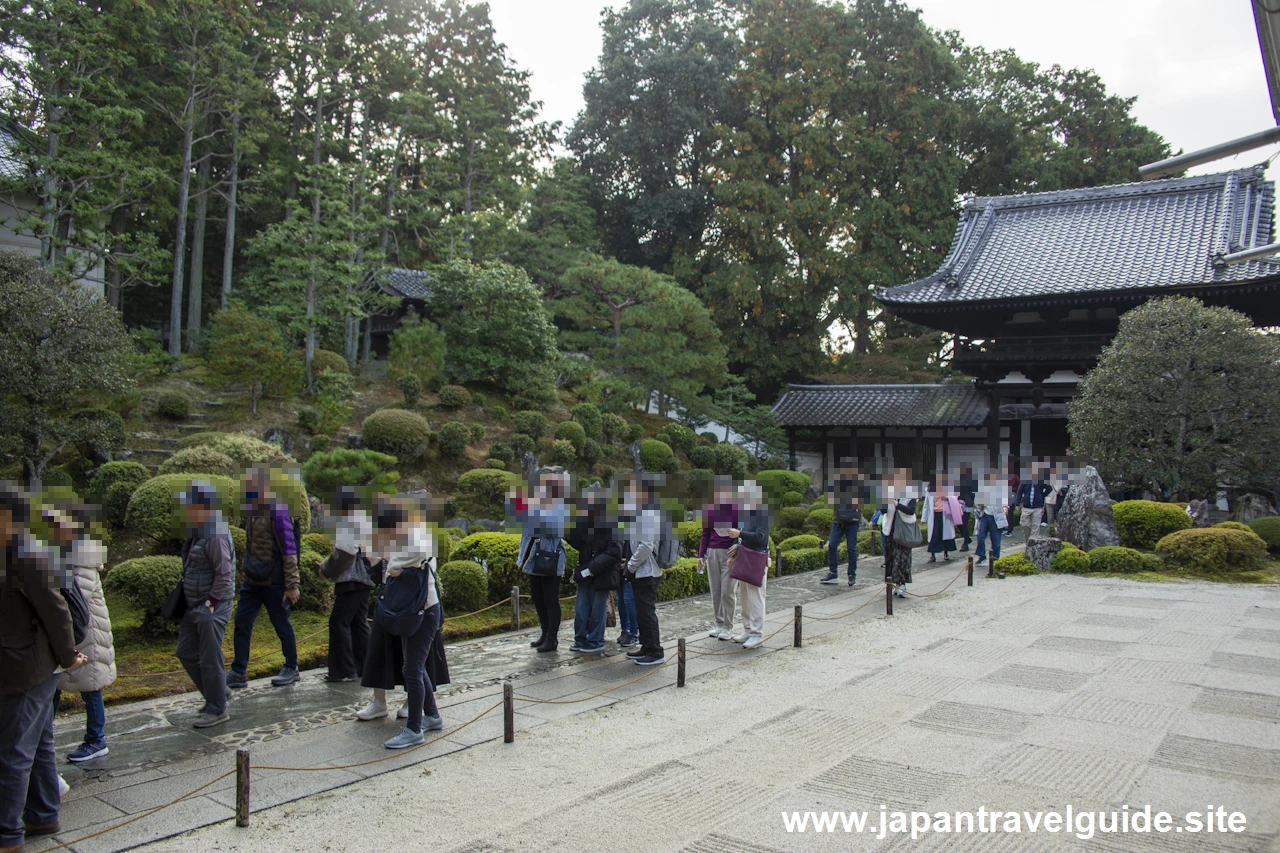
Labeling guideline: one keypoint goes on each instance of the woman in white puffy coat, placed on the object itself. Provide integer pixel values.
(85, 557)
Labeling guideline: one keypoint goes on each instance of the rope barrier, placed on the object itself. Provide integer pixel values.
(534, 701)
(941, 591)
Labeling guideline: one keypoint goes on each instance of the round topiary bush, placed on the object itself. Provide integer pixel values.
(1214, 550)
(308, 419)
(482, 492)
(498, 553)
(245, 450)
(1232, 525)
(654, 454)
(154, 511)
(589, 416)
(807, 540)
(496, 464)
(1268, 527)
(613, 427)
(634, 433)
(572, 432)
(520, 445)
(1144, 523)
(1152, 562)
(411, 388)
(145, 582)
(453, 440)
(591, 451)
(117, 472)
(792, 499)
(1115, 560)
(562, 453)
(200, 460)
(793, 516)
(464, 586)
(680, 437)
(173, 404)
(1070, 560)
(454, 397)
(730, 461)
(702, 457)
(318, 542)
(819, 520)
(402, 434)
(530, 423)
(328, 360)
(777, 484)
(1015, 565)
(315, 592)
(501, 450)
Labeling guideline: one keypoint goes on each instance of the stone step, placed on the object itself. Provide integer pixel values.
(162, 452)
(153, 439)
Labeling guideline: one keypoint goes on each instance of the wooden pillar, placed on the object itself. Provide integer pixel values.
(918, 464)
(993, 430)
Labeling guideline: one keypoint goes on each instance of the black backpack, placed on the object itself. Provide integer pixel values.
(402, 603)
(80, 616)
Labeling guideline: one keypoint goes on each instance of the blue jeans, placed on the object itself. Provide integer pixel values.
(95, 715)
(849, 532)
(28, 768)
(422, 693)
(588, 616)
(987, 527)
(627, 609)
(252, 598)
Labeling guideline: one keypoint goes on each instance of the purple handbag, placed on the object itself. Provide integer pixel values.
(750, 566)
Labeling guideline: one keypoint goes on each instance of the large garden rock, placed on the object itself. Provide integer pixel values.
(459, 523)
(1086, 519)
(1249, 507)
(281, 438)
(1042, 550)
(319, 512)
(355, 441)
(1199, 512)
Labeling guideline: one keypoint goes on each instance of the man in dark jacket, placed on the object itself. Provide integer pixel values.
(270, 578)
(36, 644)
(844, 498)
(208, 581)
(968, 489)
(1031, 496)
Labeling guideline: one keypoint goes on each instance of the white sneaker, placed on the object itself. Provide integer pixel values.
(403, 712)
(372, 711)
(753, 641)
(63, 787)
(717, 633)
(742, 638)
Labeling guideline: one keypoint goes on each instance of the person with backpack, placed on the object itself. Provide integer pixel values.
(901, 530)
(270, 578)
(348, 567)
(595, 537)
(37, 642)
(645, 534)
(85, 557)
(208, 584)
(846, 518)
(752, 540)
(408, 613)
(713, 556)
(543, 518)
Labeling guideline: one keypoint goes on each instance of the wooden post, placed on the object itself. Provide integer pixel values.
(508, 713)
(971, 571)
(797, 640)
(515, 609)
(888, 598)
(242, 787)
(680, 663)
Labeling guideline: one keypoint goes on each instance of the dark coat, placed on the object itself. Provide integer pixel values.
(599, 551)
(1032, 495)
(35, 623)
(755, 529)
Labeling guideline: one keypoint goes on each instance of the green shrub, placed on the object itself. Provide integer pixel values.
(778, 484)
(572, 432)
(444, 545)
(792, 499)
(654, 454)
(498, 552)
(690, 533)
(323, 359)
(730, 461)
(702, 457)
(454, 397)
(501, 450)
(315, 593)
(675, 583)
(1214, 550)
(115, 505)
(562, 453)
(308, 419)
(591, 452)
(680, 437)
(200, 460)
(802, 560)
(589, 416)
(496, 464)
(869, 542)
(781, 534)
(634, 433)
(245, 450)
(1015, 565)
(411, 387)
(807, 540)
(132, 473)
(613, 427)
(1115, 560)
(482, 492)
(464, 586)
(99, 432)
(153, 508)
(324, 472)
(476, 432)
(1232, 525)
(530, 423)
(794, 516)
(1152, 562)
(1268, 528)
(145, 582)
(520, 445)
(1144, 523)
(709, 438)
(700, 584)
(819, 520)
(402, 434)
(240, 540)
(1070, 560)
(173, 404)
(453, 440)
(318, 542)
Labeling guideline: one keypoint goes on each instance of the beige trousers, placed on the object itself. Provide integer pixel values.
(722, 587)
(753, 607)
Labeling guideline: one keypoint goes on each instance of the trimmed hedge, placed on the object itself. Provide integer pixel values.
(869, 542)
(145, 582)
(589, 416)
(112, 487)
(1015, 565)
(690, 533)
(323, 359)
(778, 484)
(613, 427)
(654, 454)
(200, 460)
(680, 437)
(1070, 560)
(315, 593)
(454, 397)
(819, 520)
(153, 507)
(1144, 523)
(793, 516)
(802, 560)
(397, 432)
(792, 499)
(530, 423)
(1152, 562)
(499, 553)
(1269, 529)
(1214, 550)
(244, 450)
(1232, 525)
(318, 542)
(574, 433)
(1115, 560)
(482, 492)
(730, 461)
(464, 586)
(794, 543)
(173, 404)
(453, 439)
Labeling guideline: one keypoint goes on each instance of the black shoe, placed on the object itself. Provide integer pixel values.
(932, 558)
(638, 653)
(548, 647)
(339, 679)
(853, 581)
(964, 547)
(831, 577)
(236, 680)
(34, 830)
(650, 660)
(542, 638)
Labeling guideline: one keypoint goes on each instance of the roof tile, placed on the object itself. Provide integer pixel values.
(958, 405)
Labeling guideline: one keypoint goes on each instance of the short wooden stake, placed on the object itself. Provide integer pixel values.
(508, 713)
(971, 571)
(798, 640)
(680, 663)
(242, 787)
(888, 598)
(515, 608)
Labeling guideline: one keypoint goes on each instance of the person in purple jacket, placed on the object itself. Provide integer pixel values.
(713, 555)
(270, 578)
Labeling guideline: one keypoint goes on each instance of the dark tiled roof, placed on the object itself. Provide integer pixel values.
(408, 284)
(958, 405)
(1147, 235)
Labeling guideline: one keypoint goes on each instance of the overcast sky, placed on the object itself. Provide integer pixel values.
(1194, 64)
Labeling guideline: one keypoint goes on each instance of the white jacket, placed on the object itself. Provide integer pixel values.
(412, 551)
(85, 561)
